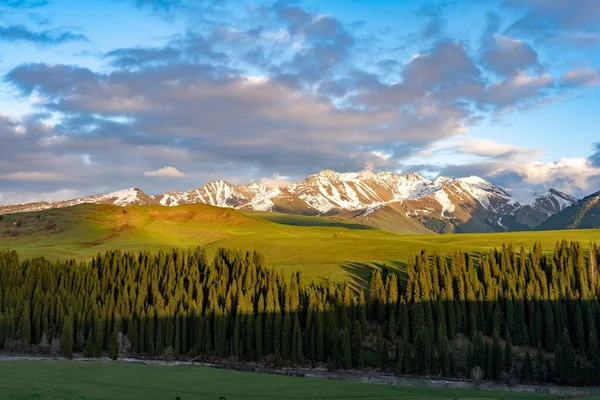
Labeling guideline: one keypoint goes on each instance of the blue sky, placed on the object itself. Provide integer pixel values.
(167, 95)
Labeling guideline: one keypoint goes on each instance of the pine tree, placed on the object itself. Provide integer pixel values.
(66, 338)
(90, 348)
(238, 345)
(444, 354)
(527, 369)
(508, 355)
(286, 336)
(277, 335)
(565, 359)
(357, 343)
(541, 364)
(579, 331)
(249, 335)
(346, 349)
(297, 347)
(98, 339)
(258, 337)
(549, 328)
(593, 352)
(362, 313)
(377, 297)
(114, 346)
(399, 357)
(320, 338)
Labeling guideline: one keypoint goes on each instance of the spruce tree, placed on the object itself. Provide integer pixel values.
(444, 354)
(66, 338)
(297, 346)
(113, 349)
(579, 331)
(286, 336)
(508, 355)
(527, 369)
(90, 348)
(357, 343)
(258, 336)
(346, 349)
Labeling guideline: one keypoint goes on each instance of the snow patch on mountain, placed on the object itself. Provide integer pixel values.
(551, 202)
(447, 206)
(120, 198)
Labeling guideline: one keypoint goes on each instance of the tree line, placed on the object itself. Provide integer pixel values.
(508, 314)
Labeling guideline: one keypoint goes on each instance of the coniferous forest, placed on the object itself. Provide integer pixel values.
(509, 314)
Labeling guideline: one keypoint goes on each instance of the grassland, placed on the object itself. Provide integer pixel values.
(334, 248)
(54, 380)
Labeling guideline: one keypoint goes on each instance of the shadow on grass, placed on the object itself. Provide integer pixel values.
(301, 220)
(360, 272)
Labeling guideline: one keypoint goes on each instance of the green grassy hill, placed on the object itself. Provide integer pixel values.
(331, 247)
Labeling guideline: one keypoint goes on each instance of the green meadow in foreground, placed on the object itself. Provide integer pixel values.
(331, 247)
(54, 380)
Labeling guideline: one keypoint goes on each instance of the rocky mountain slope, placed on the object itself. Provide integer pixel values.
(389, 201)
(585, 214)
(401, 203)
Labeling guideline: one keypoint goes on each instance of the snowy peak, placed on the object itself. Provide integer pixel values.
(551, 202)
(127, 197)
(218, 193)
(254, 196)
(442, 205)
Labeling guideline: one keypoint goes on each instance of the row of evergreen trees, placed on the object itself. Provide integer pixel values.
(462, 316)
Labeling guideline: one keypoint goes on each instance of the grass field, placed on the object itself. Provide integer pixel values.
(335, 248)
(54, 380)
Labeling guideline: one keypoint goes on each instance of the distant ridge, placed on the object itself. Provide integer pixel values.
(384, 200)
(585, 214)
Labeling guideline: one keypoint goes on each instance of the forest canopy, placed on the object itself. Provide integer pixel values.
(509, 314)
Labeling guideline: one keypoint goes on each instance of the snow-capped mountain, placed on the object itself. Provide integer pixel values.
(442, 205)
(254, 196)
(128, 197)
(384, 199)
(585, 214)
(543, 206)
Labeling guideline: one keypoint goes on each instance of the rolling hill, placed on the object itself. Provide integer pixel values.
(333, 247)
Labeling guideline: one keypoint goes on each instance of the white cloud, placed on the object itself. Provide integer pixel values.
(581, 77)
(491, 148)
(382, 155)
(518, 88)
(568, 174)
(276, 180)
(27, 197)
(31, 176)
(507, 56)
(166, 172)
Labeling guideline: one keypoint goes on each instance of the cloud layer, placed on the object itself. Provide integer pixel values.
(19, 33)
(284, 89)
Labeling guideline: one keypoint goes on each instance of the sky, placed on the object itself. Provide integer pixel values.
(167, 95)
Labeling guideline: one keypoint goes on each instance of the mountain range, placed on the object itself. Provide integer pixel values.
(386, 200)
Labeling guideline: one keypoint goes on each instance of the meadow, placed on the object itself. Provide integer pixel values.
(73, 380)
(320, 247)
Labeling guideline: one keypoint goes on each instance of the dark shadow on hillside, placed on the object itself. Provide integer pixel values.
(360, 272)
(300, 220)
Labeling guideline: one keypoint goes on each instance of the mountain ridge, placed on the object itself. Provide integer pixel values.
(468, 204)
(584, 214)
